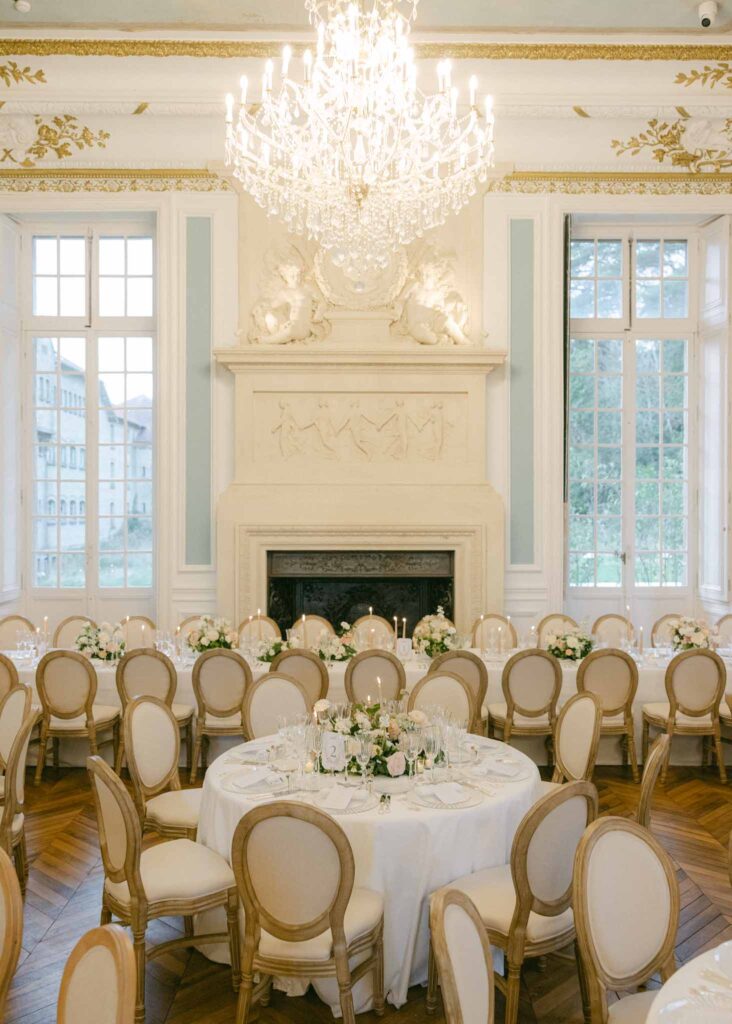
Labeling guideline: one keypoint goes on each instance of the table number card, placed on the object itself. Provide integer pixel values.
(404, 648)
(333, 752)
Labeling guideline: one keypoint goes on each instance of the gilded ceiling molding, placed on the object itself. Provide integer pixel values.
(666, 141)
(59, 136)
(111, 179)
(612, 183)
(711, 75)
(13, 74)
(427, 50)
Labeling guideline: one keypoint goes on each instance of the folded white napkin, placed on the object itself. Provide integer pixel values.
(338, 799)
(448, 792)
(252, 779)
(508, 771)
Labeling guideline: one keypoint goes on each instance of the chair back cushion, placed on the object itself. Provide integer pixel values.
(67, 684)
(445, 690)
(274, 697)
(220, 681)
(146, 673)
(307, 668)
(469, 667)
(67, 631)
(662, 630)
(463, 956)
(10, 627)
(695, 681)
(13, 710)
(613, 676)
(8, 675)
(362, 672)
(120, 832)
(260, 628)
(724, 630)
(152, 742)
(139, 632)
(373, 630)
(15, 774)
(98, 983)
(531, 682)
(613, 630)
(554, 623)
(577, 736)
(485, 632)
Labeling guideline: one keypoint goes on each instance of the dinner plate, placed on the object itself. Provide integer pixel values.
(422, 796)
(700, 1008)
(361, 801)
(240, 782)
(490, 772)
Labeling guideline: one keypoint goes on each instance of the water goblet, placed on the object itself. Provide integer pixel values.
(364, 749)
(412, 750)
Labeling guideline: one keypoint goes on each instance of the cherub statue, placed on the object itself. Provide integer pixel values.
(291, 307)
(429, 308)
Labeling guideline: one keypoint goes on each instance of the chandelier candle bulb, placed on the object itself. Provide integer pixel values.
(307, 59)
(286, 58)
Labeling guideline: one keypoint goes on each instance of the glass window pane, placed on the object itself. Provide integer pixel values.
(140, 389)
(609, 499)
(647, 533)
(609, 259)
(139, 296)
(609, 534)
(582, 392)
(73, 350)
(609, 393)
(111, 256)
(581, 533)
(112, 570)
(609, 427)
(647, 462)
(140, 256)
(111, 296)
(139, 355)
(111, 462)
(648, 298)
(676, 298)
(674, 570)
(648, 259)
(674, 356)
(72, 534)
(610, 355)
(581, 355)
(111, 389)
(111, 533)
(139, 498)
(610, 299)
(674, 499)
(581, 463)
(45, 255)
(111, 354)
(45, 296)
(647, 356)
(72, 253)
(582, 499)
(674, 534)
(674, 392)
(674, 427)
(609, 571)
(646, 428)
(608, 463)
(674, 463)
(582, 258)
(139, 461)
(646, 392)
(45, 534)
(45, 571)
(582, 570)
(582, 298)
(72, 570)
(139, 534)
(674, 259)
(582, 427)
(46, 353)
(73, 296)
(646, 499)
(140, 570)
(647, 570)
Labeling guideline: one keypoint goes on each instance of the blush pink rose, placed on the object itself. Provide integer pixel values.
(396, 764)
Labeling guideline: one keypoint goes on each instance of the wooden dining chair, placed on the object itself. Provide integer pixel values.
(526, 905)
(723, 627)
(11, 926)
(463, 958)
(626, 908)
(695, 683)
(12, 818)
(373, 631)
(178, 878)
(261, 627)
(152, 742)
(67, 685)
(309, 632)
(15, 707)
(371, 674)
(273, 697)
(9, 678)
(68, 629)
(651, 770)
(149, 673)
(309, 922)
(305, 666)
(138, 632)
(613, 629)
(612, 675)
(485, 631)
(662, 630)
(576, 739)
(448, 691)
(531, 683)
(187, 624)
(472, 671)
(221, 679)
(10, 626)
(556, 622)
(100, 972)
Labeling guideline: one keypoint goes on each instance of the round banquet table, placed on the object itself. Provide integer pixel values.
(405, 855)
(700, 992)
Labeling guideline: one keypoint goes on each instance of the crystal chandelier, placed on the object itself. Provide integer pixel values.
(353, 154)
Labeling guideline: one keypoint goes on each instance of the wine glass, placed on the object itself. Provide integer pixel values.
(364, 748)
(412, 748)
(431, 748)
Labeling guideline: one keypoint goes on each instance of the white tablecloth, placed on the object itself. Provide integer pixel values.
(405, 855)
(685, 749)
(697, 993)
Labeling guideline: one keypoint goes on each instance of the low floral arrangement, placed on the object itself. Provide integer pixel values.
(386, 732)
(571, 646)
(105, 642)
(340, 647)
(211, 633)
(267, 650)
(435, 635)
(691, 635)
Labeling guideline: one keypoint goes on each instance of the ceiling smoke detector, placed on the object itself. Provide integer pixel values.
(708, 13)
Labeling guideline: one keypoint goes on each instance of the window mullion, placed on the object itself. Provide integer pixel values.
(92, 472)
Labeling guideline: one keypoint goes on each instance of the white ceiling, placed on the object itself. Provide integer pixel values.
(646, 16)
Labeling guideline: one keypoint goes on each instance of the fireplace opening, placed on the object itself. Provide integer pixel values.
(343, 585)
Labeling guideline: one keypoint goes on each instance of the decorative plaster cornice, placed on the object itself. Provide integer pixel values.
(320, 356)
(112, 179)
(612, 183)
(94, 47)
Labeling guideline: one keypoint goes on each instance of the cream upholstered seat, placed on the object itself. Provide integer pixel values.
(221, 679)
(464, 960)
(152, 742)
(11, 926)
(626, 905)
(613, 629)
(662, 630)
(373, 631)
(485, 632)
(150, 673)
(10, 627)
(12, 820)
(695, 682)
(176, 878)
(99, 972)
(307, 668)
(68, 629)
(371, 674)
(256, 628)
(612, 675)
(526, 906)
(651, 770)
(556, 622)
(275, 696)
(139, 632)
(67, 686)
(309, 631)
(472, 671)
(308, 922)
(576, 739)
(445, 690)
(531, 682)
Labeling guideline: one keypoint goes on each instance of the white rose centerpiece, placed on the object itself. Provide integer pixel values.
(691, 635)
(211, 633)
(435, 635)
(267, 650)
(386, 730)
(105, 642)
(572, 646)
(336, 648)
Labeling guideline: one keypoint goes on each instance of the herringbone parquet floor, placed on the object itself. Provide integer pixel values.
(692, 818)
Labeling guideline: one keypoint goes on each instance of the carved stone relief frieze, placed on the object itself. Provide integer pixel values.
(359, 427)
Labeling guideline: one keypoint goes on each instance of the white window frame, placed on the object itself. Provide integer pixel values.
(91, 326)
(631, 328)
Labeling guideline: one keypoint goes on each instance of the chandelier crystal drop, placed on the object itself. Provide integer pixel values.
(352, 154)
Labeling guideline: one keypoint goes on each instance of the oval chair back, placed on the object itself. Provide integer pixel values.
(471, 670)
(260, 628)
(373, 631)
(444, 690)
(68, 629)
(10, 626)
(307, 668)
(485, 631)
(152, 743)
(273, 697)
(138, 631)
(220, 681)
(146, 673)
(14, 709)
(695, 683)
(724, 631)
(556, 622)
(577, 737)
(101, 971)
(657, 757)
(67, 685)
(626, 909)
(613, 630)
(363, 671)
(120, 830)
(464, 960)
(11, 926)
(531, 683)
(662, 630)
(612, 675)
(12, 830)
(310, 631)
(8, 675)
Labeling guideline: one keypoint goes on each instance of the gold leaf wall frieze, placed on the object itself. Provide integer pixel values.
(711, 75)
(13, 74)
(112, 180)
(58, 136)
(661, 183)
(666, 141)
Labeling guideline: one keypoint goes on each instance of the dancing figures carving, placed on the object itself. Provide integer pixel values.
(291, 306)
